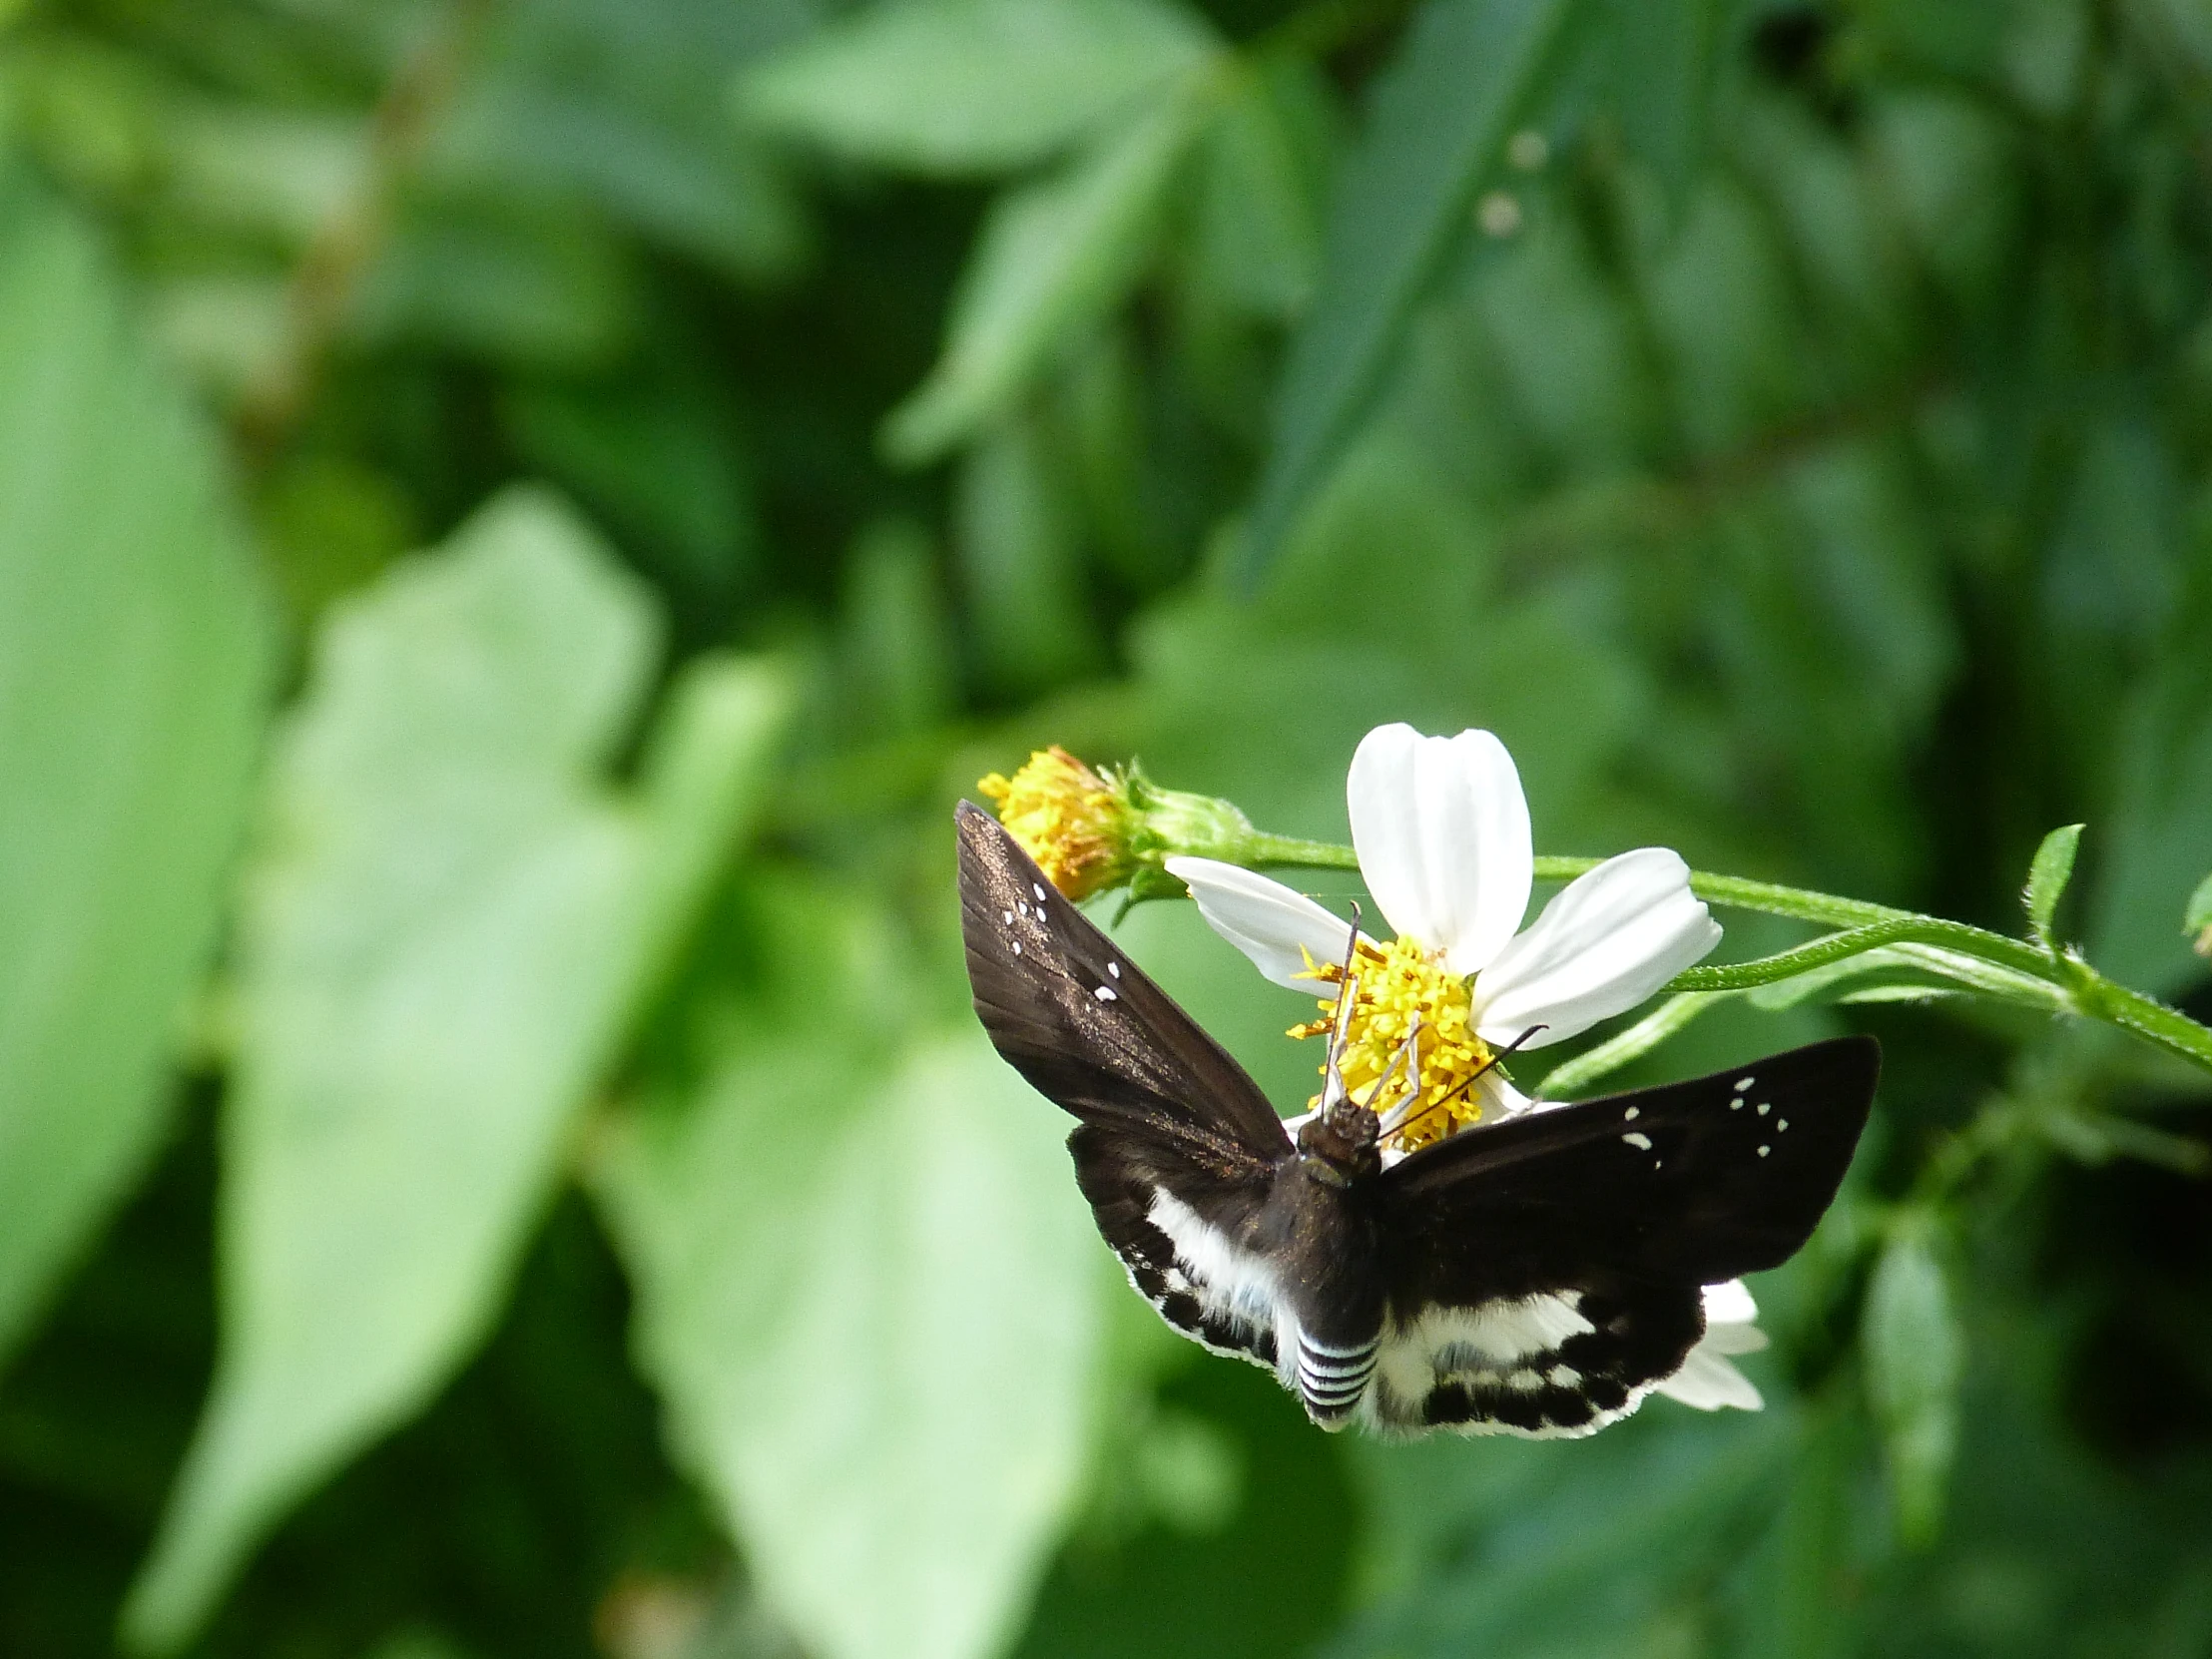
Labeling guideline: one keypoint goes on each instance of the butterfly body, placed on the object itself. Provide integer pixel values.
(1538, 1277)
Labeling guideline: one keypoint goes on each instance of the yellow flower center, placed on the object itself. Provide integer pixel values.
(1396, 984)
(1069, 818)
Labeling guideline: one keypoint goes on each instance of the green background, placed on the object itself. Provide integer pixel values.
(518, 519)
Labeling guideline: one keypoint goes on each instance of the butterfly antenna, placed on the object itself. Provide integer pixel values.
(1333, 1080)
(1410, 1046)
(1404, 1114)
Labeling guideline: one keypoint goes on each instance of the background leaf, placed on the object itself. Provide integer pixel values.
(451, 924)
(974, 86)
(1469, 73)
(1055, 256)
(1914, 1364)
(135, 664)
(874, 1308)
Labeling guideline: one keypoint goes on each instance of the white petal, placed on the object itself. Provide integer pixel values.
(1265, 919)
(1733, 1338)
(1441, 829)
(1500, 1100)
(1730, 1303)
(1608, 940)
(1709, 1382)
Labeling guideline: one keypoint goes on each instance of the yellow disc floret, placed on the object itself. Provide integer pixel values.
(1393, 985)
(1074, 821)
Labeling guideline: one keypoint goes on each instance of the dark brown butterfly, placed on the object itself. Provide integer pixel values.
(1534, 1277)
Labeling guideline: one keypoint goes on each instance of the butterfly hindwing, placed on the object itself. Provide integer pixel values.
(1218, 1296)
(1178, 1147)
(1548, 1271)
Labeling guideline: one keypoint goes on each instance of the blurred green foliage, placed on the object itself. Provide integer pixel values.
(518, 518)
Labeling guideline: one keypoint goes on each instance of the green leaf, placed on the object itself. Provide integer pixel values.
(974, 86)
(135, 664)
(2196, 918)
(501, 276)
(449, 927)
(1021, 565)
(1665, 58)
(1573, 1078)
(1888, 973)
(871, 1301)
(1256, 230)
(1915, 1358)
(625, 105)
(2047, 875)
(1053, 258)
(1499, 1548)
(1469, 73)
(2161, 843)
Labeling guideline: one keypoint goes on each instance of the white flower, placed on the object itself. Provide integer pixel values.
(1441, 826)
(1707, 1380)
(1442, 830)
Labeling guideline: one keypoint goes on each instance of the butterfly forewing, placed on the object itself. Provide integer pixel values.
(1545, 1272)
(1178, 1147)
(1698, 1182)
(1083, 1023)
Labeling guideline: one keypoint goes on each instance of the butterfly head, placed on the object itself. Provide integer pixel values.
(1339, 1146)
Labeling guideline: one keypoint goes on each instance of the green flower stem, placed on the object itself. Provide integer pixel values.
(2026, 972)
(1950, 935)
(1288, 850)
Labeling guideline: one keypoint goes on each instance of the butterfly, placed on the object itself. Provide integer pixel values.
(1534, 1277)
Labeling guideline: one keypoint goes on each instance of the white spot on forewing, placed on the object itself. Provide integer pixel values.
(1114, 969)
(1742, 1083)
(1009, 919)
(1631, 1114)
(1038, 890)
(1781, 1124)
(1018, 947)
(1765, 1106)
(1640, 1142)
(1763, 1151)
(1105, 993)
(1022, 905)
(1737, 1104)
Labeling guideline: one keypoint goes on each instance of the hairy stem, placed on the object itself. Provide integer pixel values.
(2013, 969)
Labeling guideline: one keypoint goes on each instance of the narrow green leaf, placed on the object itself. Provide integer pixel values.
(1053, 258)
(449, 926)
(1469, 73)
(1914, 1358)
(872, 1302)
(973, 85)
(1575, 1076)
(1883, 974)
(2047, 875)
(135, 662)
